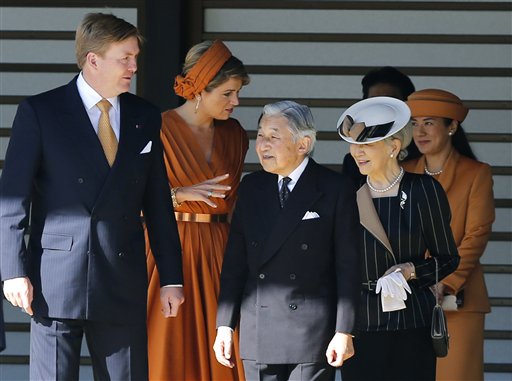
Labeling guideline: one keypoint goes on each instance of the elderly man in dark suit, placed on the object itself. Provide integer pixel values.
(83, 161)
(290, 272)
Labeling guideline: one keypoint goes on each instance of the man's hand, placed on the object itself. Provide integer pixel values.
(340, 348)
(19, 292)
(223, 346)
(171, 298)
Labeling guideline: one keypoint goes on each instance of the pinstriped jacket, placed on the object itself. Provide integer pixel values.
(85, 255)
(417, 219)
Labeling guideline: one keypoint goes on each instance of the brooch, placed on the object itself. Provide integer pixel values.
(403, 198)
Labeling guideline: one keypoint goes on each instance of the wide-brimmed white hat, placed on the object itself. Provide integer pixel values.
(373, 119)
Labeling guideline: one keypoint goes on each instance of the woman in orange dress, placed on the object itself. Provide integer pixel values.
(204, 152)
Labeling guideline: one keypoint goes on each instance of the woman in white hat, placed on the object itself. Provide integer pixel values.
(436, 118)
(402, 216)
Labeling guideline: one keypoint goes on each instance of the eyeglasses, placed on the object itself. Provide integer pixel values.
(360, 132)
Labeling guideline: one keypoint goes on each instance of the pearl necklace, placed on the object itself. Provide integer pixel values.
(393, 183)
(433, 173)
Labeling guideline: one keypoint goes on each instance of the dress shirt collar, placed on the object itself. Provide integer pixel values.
(90, 97)
(295, 175)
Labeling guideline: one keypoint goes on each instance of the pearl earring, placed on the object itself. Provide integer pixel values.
(391, 156)
(450, 133)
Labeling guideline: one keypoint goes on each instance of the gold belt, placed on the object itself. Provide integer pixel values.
(199, 217)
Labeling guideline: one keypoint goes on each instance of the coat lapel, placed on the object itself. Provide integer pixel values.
(303, 196)
(129, 140)
(447, 177)
(369, 218)
(78, 129)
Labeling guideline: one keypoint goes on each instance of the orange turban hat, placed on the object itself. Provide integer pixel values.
(437, 103)
(205, 69)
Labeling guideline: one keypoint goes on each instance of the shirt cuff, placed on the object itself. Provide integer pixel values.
(172, 285)
(225, 327)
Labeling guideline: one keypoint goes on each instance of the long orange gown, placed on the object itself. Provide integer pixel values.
(181, 348)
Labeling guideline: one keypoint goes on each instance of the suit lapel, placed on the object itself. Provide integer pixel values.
(128, 139)
(78, 129)
(369, 218)
(303, 196)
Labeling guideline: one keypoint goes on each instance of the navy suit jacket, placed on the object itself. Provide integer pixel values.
(292, 282)
(86, 252)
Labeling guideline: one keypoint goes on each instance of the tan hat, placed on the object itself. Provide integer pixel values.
(438, 103)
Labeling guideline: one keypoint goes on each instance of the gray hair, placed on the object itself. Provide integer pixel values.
(405, 137)
(299, 117)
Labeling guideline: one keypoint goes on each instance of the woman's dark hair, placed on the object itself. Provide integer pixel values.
(390, 76)
(460, 140)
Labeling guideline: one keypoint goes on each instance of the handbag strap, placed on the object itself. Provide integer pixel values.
(437, 280)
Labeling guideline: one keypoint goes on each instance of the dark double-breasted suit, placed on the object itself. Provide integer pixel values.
(292, 282)
(85, 255)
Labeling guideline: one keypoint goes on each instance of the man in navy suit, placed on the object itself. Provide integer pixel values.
(291, 269)
(83, 161)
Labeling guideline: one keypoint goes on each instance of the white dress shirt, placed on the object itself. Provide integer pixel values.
(90, 98)
(294, 176)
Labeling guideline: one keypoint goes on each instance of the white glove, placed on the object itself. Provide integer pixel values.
(449, 303)
(392, 289)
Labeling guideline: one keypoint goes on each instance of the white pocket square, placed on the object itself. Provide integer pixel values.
(310, 215)
(147, 148)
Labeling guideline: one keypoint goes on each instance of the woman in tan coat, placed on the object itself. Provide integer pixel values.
(447, 156)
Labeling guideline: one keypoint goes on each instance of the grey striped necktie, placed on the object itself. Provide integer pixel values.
(284, 192)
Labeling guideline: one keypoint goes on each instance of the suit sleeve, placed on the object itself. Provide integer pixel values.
(159, 216)
(16, 186)
(348, 260)
(234, 269)
(435, 216)
(478, 225)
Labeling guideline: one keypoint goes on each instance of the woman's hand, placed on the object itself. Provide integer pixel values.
(204, 192)
(438, 291)
(407, 269)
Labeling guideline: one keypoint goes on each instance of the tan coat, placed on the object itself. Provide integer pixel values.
(468, 185)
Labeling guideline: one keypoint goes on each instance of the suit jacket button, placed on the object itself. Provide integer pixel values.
(304, 246)
(254, 243)
(80, 180)
(90, 252)
(262, 276)
(293, 306)
(293, 276)
(121, 254)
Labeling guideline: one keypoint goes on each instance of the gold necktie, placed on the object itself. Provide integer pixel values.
(106, 134)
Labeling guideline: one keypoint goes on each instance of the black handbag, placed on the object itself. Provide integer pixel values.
(439, 328)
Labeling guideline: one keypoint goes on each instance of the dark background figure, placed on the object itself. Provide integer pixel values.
(384, 81)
